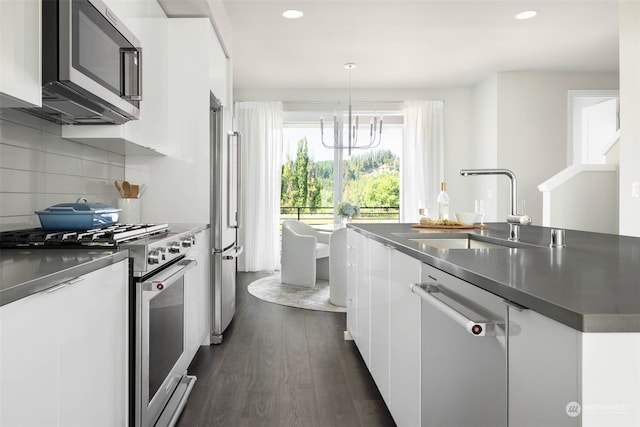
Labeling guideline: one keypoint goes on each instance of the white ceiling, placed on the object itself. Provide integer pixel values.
(411, 44)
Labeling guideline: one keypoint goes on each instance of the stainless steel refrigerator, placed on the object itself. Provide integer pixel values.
(225, 187)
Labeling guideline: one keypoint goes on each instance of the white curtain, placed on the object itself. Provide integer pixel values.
(260, 126)
(422, 167)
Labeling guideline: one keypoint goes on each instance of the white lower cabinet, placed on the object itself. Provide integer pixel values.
(384, 318)
(404, 336)
(363, 303)
(64, 353)
(544, 367)
(197, 294)
(379, 285)
(352, 281)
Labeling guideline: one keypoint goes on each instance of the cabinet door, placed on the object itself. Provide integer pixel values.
(29, 361)
(64, 353)
(404, 335)
(352, 281)
(464, 376)
(20, 53)
(93, 348)
(363, 307)
(379, 279)
(197, 295)
(544, 368)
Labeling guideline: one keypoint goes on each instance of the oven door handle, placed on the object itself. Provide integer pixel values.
(169, 276)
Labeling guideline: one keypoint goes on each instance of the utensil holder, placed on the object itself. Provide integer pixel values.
(130, 213)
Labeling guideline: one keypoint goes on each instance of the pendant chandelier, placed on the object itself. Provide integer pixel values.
(375, 128)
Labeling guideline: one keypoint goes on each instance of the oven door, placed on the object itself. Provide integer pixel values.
(161, 341)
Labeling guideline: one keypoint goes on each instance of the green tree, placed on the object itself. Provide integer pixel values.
(383, 190)
(285, 184)
(314, 191)
(300, 177)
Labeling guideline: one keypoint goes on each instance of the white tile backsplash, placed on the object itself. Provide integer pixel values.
(63, 165)
(20, 158)
(20, 181)
(39, 169)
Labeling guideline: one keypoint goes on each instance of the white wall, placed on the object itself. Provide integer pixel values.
(39, 169)
(597, 207)
(629, 116)
(457, 119)
(178, 184)
(483, 147)
(531, 129)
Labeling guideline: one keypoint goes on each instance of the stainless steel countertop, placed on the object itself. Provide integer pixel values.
(24, 272)
(592, 285)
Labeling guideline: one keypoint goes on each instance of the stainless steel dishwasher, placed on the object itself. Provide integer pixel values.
(464, 355)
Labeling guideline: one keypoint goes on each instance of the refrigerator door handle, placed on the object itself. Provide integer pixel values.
(237, 250)
(233, 194)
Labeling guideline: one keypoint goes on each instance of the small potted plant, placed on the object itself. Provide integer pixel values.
(347, 211)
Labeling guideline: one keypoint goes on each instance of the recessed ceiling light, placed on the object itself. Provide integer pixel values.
(527, 14)
(292, 14)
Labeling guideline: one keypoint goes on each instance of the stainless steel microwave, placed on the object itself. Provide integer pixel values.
(91, 65)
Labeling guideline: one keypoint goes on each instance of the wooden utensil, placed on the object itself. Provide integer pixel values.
(127, 189)
(134, 191)
(117, 184)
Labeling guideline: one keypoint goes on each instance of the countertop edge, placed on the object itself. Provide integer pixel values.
(43, 283)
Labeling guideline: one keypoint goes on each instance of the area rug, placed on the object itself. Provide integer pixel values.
(271, 289)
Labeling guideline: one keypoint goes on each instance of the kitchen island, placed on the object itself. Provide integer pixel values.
(564, 333)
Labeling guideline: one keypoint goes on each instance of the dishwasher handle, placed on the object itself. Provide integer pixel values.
(482, 328)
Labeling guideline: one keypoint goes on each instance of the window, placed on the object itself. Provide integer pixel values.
(316, 178)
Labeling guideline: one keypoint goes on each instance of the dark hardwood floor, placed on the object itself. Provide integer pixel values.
(282, 366)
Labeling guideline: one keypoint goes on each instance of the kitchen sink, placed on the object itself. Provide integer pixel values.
(459, 240)
(459, 243)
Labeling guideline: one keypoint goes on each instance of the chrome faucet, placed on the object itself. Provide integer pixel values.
(514, 220)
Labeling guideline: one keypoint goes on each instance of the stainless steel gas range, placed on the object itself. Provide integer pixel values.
(160, 258)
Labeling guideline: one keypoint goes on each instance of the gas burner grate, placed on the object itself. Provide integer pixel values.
(109, 236)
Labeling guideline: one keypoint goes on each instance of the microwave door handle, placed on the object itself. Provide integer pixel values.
(131, 65)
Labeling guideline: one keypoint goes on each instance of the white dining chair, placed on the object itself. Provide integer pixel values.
(305, 254)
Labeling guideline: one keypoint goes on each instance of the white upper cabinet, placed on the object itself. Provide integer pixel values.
(219, 71)
(20, 47)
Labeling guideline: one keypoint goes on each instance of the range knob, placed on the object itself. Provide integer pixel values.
(154, 256)
(174, 247)
(189, 241)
